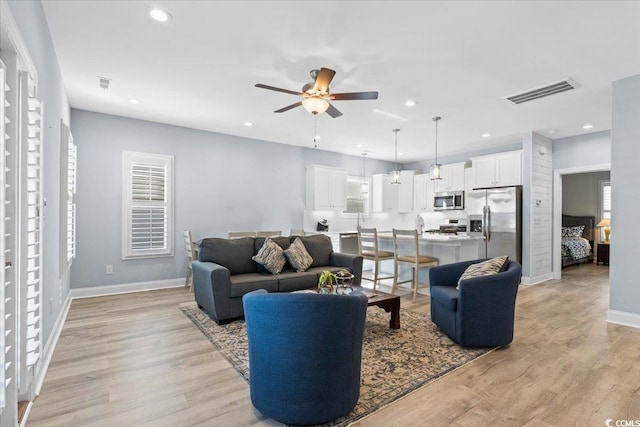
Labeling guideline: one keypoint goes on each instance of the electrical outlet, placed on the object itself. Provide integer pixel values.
(109, 269)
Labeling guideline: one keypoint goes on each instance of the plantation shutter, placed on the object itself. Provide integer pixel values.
(149, 205)
(30, 206)
(606, 201)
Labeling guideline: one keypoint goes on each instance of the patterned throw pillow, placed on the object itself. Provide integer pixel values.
(484, 268)
(298, 256)
(271, 256)
(573, 231)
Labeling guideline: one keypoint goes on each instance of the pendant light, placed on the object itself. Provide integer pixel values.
(364, 188)
(436, 168)
(395, 177)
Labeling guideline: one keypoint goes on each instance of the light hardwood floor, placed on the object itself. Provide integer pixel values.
(136, 360)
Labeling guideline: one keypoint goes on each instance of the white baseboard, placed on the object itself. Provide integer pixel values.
(624, 318)
(536, 279)
(50, 346)
(125, 288)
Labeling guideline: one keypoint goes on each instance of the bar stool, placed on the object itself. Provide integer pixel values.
(368, 248)
(406, 251)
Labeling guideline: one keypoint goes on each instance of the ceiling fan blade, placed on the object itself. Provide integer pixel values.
(354, 96)
(277, 89)
(333, 111)
(289, 107)
(323, 80)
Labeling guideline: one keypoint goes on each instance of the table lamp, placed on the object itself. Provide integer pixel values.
(606, 223)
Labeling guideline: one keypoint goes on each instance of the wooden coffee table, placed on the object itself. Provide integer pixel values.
(387, 302)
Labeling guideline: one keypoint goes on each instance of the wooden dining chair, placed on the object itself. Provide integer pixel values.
(368, 249)
(192, 254)
(407, 251)
(240, 234)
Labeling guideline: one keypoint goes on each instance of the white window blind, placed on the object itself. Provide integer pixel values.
(147, 205)
(3, 279)
(68, 164)
(30, 206)
(8, 318)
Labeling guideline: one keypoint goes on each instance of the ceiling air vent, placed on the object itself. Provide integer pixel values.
(103, 82)
(541, 92)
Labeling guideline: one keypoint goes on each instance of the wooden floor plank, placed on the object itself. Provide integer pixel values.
(135, 359)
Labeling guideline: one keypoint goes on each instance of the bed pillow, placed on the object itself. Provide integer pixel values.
(271, 256)
(575, 231)
(298, 256)
(485, 268)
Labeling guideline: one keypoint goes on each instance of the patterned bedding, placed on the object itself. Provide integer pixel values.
(575, 247)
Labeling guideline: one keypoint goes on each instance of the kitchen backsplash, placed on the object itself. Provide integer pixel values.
(341, 222)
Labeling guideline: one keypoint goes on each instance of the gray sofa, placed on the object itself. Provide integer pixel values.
(225, 271)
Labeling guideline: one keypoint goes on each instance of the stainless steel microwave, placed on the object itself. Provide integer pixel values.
(449, 200)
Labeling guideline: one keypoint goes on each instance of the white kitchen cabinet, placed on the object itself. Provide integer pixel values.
(388, 197)
(423, 189)
(384, 196)
(498, 170)
(452, 178)
(405, 191)
(326, 188)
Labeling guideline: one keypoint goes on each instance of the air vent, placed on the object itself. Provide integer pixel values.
(541, 92)
(103, 82)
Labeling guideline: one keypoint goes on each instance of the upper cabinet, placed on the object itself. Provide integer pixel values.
(423, 188)
(452, 178)
(497, 170)
(388, 197)
(326, 188)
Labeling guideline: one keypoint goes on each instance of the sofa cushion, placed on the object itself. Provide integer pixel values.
(319, 247)
(245, 283)
(298, 256)
(233, 254)
(445, 295)
(271, 256)
(293, 281)
(485, 268)
(282, 241)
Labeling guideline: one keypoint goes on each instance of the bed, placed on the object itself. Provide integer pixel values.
(577, 246)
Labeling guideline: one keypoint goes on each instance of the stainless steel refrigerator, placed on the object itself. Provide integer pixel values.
(495, 214)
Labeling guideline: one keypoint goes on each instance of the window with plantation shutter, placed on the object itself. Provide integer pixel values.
(605, 204)
(147, 205)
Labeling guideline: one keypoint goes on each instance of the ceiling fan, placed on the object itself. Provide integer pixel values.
(316, 94)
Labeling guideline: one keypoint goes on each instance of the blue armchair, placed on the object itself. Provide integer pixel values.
(305, 354)
(481, 313)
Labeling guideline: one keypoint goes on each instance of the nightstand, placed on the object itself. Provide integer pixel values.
(603, 253)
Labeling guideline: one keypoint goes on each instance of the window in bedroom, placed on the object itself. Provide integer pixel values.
(147, 205)
(605, 204)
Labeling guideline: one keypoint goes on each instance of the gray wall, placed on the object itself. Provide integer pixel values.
(582, 150)
(581, 193)
(222, 183)
(625, 195)
(31, 21)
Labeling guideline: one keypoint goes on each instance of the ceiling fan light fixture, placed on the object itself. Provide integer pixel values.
(315, 105)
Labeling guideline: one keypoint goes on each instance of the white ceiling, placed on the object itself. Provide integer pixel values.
(458, 60)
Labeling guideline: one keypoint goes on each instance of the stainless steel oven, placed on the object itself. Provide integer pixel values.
(448, 201)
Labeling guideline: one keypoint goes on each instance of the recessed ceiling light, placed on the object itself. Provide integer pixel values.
(316, 138)
(587, 126)
(400, 154)
(409, 103)
(486, 135)
(248, 124)
(359, 145)
(133, 101)
(552, 131)
(159, 14)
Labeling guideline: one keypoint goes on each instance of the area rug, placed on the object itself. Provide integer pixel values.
(394, 362)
